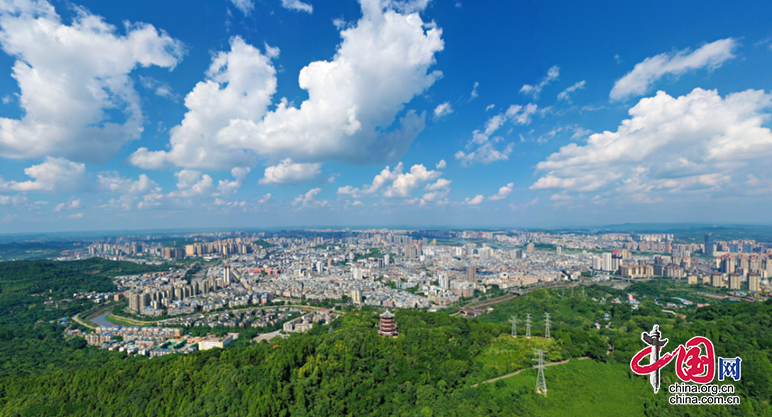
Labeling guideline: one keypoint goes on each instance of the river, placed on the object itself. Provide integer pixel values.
(102, 320)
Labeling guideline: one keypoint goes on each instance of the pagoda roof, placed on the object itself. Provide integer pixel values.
(387, 315)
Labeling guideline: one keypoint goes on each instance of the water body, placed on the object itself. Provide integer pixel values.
(102, 320)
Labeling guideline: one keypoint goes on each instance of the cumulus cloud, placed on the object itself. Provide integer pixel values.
(191, 184)
(566, 94)
(396, 183)
(228, 187)
(441, 165)
(353, 109)
(637, 81)
(289, 173)
(73, 203)
(503, 192)
(443, 109)
(481, 148)
(113, 183)
(55, 174)
(699, 141)
(535, 90)
(69, 75)
(297, 6)
(474, 201)
(246, 6)
(14, 200)
(309, 199)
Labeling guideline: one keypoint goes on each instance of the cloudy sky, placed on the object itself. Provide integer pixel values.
(254, 113)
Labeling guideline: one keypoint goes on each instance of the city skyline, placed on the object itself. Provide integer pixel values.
(282, 113)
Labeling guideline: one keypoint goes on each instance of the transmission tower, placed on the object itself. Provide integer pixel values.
(541, 383)
(547, 328)
(582, 292)
(513, 319)
(572, 291)
(528, 326)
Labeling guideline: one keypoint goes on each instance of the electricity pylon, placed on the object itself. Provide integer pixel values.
(547, 327)
(514, 326)
(541, 383)
(528, 326)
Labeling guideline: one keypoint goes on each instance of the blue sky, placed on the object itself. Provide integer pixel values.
(252, 113)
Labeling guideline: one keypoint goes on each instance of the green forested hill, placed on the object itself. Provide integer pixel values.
(428, 370)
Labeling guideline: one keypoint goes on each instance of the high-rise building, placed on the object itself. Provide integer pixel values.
(717, 280)
(607, 262)
(444, 281)
(734, 281)
(709, 245)
(754, 281)
(559, 250)
(728, 264)
(471, 273)
(530, 247)
(597, 263)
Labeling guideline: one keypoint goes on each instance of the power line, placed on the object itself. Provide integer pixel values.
(541, 383)
(528, 326)
(547, 323)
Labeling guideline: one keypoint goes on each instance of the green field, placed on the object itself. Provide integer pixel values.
(583, 388)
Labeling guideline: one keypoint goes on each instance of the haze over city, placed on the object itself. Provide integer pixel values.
(143, 115)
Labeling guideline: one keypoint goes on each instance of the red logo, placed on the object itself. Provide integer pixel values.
(691, 364)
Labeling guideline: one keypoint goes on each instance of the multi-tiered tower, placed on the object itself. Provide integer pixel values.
(388, 327)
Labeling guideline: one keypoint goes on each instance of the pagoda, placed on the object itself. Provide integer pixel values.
(388, 327)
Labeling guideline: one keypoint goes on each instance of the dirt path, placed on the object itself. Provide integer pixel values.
(533, 367)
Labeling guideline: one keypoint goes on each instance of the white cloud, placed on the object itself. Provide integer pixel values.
(160, 88)
(297, 6)
(699, 141)
(404, 184)
(55, 174)
(441, 165)
(76, 216)
(309, 199)
(566, 94)
(264, 199)
(474, 94)
(69, 75)
(490, 107)
(523, 206)
(535, 90)
(503, 192)
(637, 81)
(73, 203)
(191, 184)
(354, 100)
(113, 183)
(246, 6)
(443, 109)
(474, 201)
(395, 183)
(484, 150)
(15, 200)
(289, 173)
(228, 187)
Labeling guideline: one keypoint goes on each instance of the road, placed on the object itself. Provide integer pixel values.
(76, 318)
